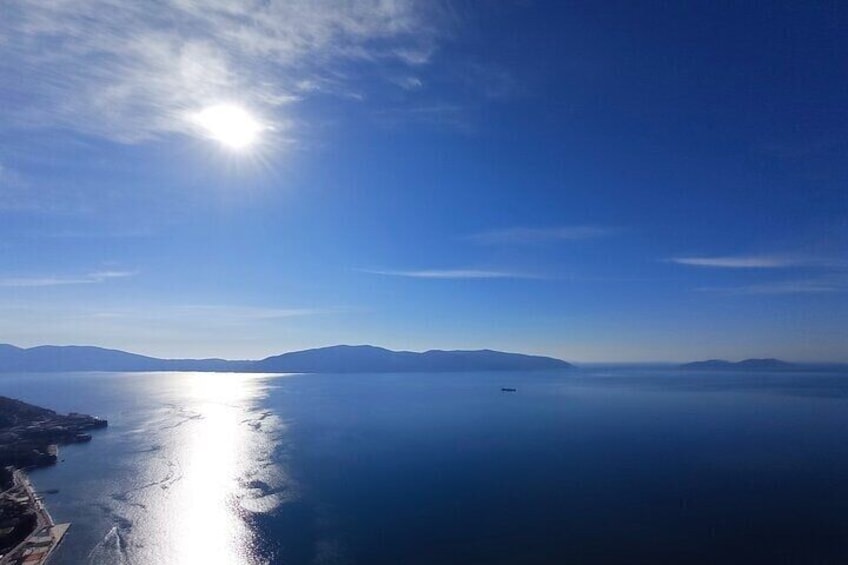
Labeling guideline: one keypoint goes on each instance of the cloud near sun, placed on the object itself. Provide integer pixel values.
(129, 71)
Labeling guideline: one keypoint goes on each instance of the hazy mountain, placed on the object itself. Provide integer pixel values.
(336, 359)
(369, 359)
(746, 365)
(51, 358)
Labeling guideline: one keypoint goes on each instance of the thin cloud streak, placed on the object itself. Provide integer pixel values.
(252, 313)
(749, 262)
(822, 285)
(90, 278)
(455, 274)
(84, 235)
(537, 235)
(218, 313)
(761, 262)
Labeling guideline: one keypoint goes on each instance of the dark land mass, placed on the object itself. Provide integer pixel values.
(335, 359)
(746, 365)
(29, 436)
(366, 358)
(51, 358)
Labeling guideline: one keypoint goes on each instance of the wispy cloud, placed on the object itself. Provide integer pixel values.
(455, 274)
(760, 261)
(161, 328)
(408, 82)
(90, 278)
(219, 313)
(128, 233)
(817, 285)
(130, 71)
(740, 262)
(251, 312)
(535, 235)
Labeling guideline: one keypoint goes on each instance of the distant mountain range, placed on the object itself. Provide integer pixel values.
(335, 359)
(746, 365)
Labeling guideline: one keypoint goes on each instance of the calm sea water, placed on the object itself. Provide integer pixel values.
(622, 465)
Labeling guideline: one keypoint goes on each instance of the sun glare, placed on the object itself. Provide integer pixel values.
(231, 125)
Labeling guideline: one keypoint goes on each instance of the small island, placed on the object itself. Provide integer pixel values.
(744, 365)
(29, 438)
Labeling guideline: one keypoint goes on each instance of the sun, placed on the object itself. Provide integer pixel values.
(231, 125)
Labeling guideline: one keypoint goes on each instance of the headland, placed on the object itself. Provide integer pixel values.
(29, 438)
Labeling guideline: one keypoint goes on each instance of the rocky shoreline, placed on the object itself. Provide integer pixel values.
(29, 438)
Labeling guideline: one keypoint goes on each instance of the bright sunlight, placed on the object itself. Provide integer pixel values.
(232, 126)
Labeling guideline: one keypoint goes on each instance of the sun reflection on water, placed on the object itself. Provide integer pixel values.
(204, 516)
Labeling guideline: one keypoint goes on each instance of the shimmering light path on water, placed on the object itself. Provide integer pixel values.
(174, 479)
(596, 466)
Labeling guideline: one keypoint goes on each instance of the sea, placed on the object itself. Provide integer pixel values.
(598, 465)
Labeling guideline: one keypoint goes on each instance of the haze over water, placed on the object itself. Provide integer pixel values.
(622, 465)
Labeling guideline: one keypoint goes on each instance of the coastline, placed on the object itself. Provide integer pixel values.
(29, 438)
(42, 542)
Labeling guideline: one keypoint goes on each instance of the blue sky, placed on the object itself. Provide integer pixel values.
(598, 181)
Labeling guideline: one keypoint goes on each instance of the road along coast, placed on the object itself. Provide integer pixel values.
(29, 438)
(42, 542)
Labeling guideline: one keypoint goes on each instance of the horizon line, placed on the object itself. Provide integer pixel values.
(570, 361)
